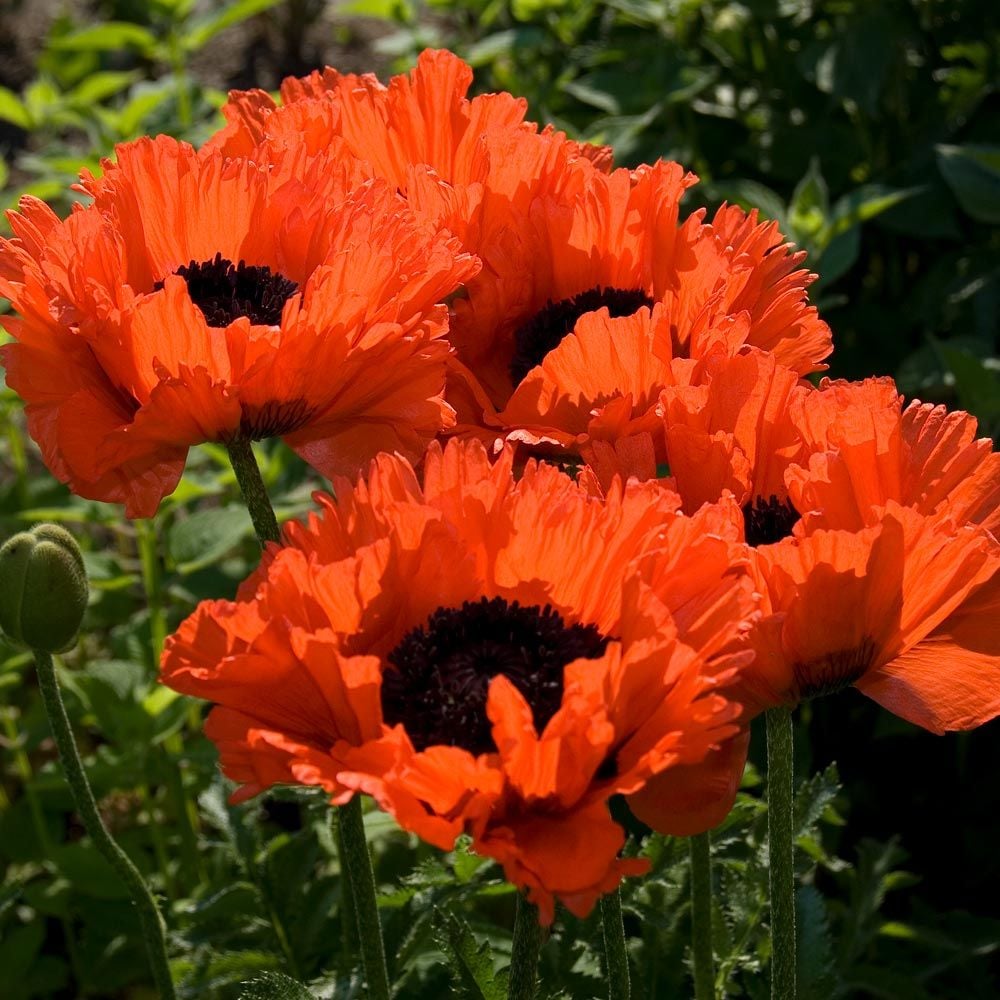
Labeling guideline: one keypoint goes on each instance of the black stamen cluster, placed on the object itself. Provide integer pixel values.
(440, 672)
(223, 291)
(768, 521)
(546, 329)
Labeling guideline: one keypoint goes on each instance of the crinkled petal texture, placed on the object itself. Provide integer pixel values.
(877, 557)
(734, 430)
(905, 610)
(199, 298)
(298, 664)
(566, 254)
(421, 118)
(863, 449)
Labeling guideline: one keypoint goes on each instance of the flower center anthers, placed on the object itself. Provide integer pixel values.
(224, 291)
(833, 672)
(546, 329)
(768, 521)
(439, 673)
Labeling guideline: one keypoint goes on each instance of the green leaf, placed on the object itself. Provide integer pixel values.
(275, 986)
(99, 87)
(205, 28)
(863, 204)
(13, 110)
(973, 174)
(809, 207)
(977, 386)
(814, 958)
(837, 259)
(469, 961)
(812, 798)
(108, 37)
(19, 950)
(207, 535)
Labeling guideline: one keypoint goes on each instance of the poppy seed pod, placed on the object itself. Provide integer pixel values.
(43, 588)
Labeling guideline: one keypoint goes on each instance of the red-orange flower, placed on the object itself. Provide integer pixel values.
(482, 656)
(199, 298)
(873, 534)
(419, 119)
(616, 249)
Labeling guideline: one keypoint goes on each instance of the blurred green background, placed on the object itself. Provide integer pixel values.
(870, 129)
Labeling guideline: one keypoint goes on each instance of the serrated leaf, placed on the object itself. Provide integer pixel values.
(812, 797)
(814, 957)
(275, 986)
(470, 962)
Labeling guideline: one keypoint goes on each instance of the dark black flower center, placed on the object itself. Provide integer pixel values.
(833, 672)
(440, 672)
(546, 329)
(768, 521)
(223, 291)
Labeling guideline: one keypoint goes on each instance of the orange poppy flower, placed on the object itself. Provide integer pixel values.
(855, 509)
(904, 610)
(482, 656)
(872, 532)
(421, 118)
(199, 298)
(620, 247)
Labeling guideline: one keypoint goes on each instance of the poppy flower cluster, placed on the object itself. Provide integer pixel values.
(483, 642)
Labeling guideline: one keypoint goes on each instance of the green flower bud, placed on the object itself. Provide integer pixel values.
(43, 588)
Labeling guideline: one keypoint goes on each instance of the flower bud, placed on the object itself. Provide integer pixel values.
(43, 588)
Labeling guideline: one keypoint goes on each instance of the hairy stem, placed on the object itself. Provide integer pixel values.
(254, 492)
(619, 987)
(356, 867)
(150, 920)
(781, 852)
(523, 984)
(702, 956)
(356, 862)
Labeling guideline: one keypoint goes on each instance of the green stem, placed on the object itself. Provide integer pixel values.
(619, 987)
(356, 862)
(150, 561)
(356, 866)
(347, 918)
(253, 490)
(523, 984)
(702, 956)
(149, 915)
(781, 852)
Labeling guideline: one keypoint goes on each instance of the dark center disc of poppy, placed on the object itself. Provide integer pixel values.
(768, 521)
(546, 329)
(440, 672)
(224, 291)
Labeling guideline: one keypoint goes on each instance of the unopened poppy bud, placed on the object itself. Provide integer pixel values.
(43, 588)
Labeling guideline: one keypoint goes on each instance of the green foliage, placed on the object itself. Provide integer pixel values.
(868, 132)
